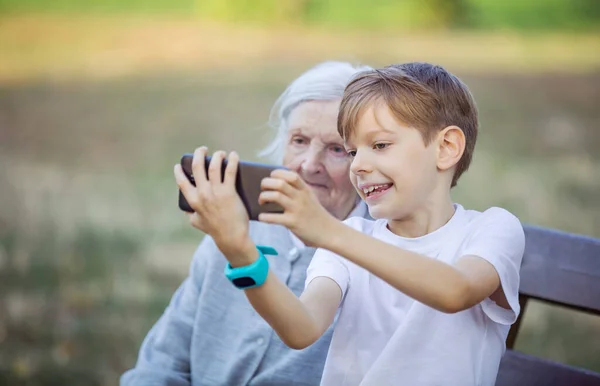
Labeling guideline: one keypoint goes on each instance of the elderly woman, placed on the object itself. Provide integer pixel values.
(209, 334)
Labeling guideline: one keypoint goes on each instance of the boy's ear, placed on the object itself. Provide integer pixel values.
(451, 146)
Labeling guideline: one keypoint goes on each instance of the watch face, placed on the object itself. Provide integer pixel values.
(243, 282)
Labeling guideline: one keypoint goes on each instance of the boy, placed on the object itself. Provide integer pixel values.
(428, 290)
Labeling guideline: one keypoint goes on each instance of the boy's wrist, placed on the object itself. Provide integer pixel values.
(333, 234)
(242, 254)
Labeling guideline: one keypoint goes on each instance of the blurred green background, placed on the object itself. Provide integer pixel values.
(98, 100)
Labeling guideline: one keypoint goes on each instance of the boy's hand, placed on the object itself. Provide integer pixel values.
(303, 214)
(218, 209)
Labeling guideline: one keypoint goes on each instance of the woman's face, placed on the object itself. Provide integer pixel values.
(315, 150)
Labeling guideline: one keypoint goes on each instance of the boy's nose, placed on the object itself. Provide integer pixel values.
(360, 165)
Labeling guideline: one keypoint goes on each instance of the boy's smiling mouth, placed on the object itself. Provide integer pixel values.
(372, 191)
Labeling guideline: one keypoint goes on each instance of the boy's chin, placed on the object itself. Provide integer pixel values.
(381, 212)
(377, 212)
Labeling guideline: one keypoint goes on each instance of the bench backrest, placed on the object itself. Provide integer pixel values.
(562, 269)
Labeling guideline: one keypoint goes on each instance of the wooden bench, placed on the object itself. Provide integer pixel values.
(561, 269)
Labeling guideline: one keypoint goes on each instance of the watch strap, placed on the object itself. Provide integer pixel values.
(252, 275)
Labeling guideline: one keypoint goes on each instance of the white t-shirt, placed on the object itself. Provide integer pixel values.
(384, 337)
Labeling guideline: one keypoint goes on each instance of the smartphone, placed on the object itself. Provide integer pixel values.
(247, 184)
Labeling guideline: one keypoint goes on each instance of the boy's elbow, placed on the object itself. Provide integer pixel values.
(456, 300)
(300, 341)
(297, 344)
(450, 307)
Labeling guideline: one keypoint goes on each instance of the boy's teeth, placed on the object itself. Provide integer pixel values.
(372, 188)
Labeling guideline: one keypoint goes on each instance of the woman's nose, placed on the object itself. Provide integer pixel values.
(312, 162)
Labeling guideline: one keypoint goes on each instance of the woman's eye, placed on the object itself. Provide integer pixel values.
(380, 146)
(298, 140)
(351, 153)
(338, 149)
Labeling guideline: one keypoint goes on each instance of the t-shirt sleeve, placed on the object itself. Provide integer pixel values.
(328, 264)
(499, 239)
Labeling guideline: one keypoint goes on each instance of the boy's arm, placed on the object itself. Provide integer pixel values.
(299, 322)
(447, 288)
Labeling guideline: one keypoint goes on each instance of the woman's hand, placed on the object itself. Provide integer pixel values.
(303, 214)
(218, 209)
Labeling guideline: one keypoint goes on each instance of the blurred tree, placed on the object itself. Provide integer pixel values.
(425, 14)
(534, 14)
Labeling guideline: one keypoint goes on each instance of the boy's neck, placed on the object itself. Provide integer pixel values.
(426, 219)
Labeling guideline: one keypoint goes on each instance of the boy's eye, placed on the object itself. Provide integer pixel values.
(380, 146)
(351, 153)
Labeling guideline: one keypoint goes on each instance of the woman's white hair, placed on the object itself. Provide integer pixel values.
(323, 82)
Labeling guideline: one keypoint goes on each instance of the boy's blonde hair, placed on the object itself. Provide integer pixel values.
(420, 95)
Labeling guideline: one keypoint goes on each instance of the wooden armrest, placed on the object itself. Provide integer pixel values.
(518, 369)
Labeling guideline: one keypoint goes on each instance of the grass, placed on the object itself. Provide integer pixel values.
(94, 113)
(83, 46)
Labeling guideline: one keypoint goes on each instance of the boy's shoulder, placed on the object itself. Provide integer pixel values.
(494, 217)
(495, 229)
(468, 222)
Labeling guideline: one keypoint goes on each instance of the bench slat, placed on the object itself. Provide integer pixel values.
(561, 268)
(524, 370)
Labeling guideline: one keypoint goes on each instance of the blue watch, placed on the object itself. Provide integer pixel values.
(252, 275)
